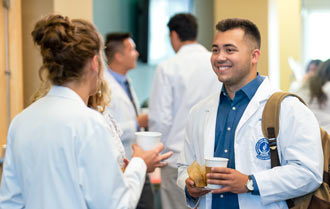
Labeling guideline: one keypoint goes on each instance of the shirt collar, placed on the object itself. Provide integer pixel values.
(118, 77)
(65, 92)
(249, 89)
(188, 47)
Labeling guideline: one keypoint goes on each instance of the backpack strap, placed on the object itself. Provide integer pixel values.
(270, 122)
(326, 177)
(270, 127)
(326, 152)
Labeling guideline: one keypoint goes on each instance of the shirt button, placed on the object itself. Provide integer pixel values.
(234, 108)
(228, 129)
(226, 150)
(221, 195)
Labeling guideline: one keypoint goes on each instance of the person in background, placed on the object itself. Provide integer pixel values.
(317, 93)
(302, 85)
(59, 151)
(179, 83)
(312, 68)
(124, 107)
(228, 125)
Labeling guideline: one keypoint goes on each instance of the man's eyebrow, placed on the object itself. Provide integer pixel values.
(229, 45)
(226, 45)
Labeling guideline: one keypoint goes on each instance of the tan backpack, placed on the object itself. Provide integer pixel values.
(319, 199)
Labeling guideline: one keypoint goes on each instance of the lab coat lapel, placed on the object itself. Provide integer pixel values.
(208, 137)
(209, 126)
(260, 96)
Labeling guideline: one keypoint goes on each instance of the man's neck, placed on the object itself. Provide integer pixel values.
(116, 67)
(231, 89)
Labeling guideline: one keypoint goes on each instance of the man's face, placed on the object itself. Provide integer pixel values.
(232, 58)
(130, 54)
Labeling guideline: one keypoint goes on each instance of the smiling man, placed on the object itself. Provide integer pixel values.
(228, 125)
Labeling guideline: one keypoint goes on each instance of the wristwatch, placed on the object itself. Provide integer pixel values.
(249, 185)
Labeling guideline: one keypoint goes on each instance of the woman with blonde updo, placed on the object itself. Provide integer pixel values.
(59, 151)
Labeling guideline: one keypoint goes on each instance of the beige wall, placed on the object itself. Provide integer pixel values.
(15, 58)
(254, 10)
(290, 37)
(75, 8)
(3, 100)
(32, 11)
(15, 66)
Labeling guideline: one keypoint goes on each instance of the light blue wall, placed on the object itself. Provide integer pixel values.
(112, 15)
(117, 16)
(142, 77)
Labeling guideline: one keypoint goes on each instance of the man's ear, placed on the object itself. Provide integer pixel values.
(174, 35)
(175, 40)
(255, 56)
(118, 56)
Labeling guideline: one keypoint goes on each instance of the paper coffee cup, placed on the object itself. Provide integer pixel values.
(215, 162)
(148, 140)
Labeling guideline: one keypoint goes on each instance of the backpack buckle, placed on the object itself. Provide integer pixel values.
(272, 143)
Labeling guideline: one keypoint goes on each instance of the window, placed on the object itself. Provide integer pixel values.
(160, 11)
(316, 37)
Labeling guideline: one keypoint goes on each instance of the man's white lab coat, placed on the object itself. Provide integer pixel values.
(123, 112)
(299, 148)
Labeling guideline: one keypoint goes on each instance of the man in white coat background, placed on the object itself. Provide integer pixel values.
(179, 83)
(124, 106)
(228, 124)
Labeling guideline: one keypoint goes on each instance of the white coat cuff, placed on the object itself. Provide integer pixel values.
(138, 163)
(265, 183)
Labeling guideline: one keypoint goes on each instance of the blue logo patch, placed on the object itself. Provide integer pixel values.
(262, 149)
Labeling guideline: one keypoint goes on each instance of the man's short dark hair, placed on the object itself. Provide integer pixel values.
(185, 25)
(114, 42)
(249, 28)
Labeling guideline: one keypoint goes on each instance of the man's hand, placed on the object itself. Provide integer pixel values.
(152, 158)
(126, 162)
(193, 190)
(232, 180)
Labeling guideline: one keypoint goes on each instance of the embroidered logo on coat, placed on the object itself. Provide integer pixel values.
(262, 149)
